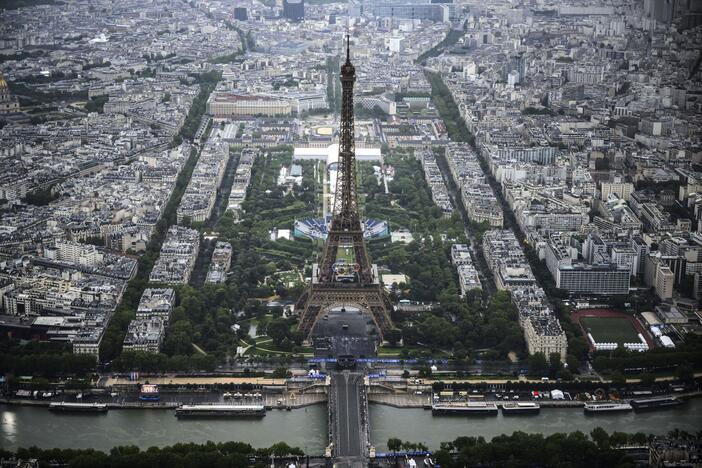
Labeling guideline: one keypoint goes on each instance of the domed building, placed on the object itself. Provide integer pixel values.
(7, 102)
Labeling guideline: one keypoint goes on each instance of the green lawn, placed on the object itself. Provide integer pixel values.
(289, 277)
(390, 352)
(346, 254)
(610, 329)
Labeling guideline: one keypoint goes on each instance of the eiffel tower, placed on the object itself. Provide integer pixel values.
(345, 275)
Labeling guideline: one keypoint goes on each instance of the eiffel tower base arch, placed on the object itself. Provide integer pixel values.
(317, 299)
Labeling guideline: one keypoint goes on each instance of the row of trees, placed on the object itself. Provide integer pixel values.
(575, 449)
(20, 55)
(41, 196)
(396, 445)
(151, 362)
(451, 39)
(333, 84)
(208, 81)
(188, 455)
(46, 364)
(519, 449)
(443, 100)
(96, 104)
(551, 366)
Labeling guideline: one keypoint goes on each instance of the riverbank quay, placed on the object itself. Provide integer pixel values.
(283, 402)
(123, 392)
(424, 401)
(301, 401)
(173, 391)
(194, 380)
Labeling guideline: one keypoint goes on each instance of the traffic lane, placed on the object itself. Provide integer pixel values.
(348, 415)
(349, 322)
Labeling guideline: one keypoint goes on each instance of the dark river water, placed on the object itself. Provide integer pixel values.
(22, 426)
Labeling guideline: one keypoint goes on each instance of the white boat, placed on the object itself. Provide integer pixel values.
(467, 408)
(209, 410)
(607, 407)
(519, 407)
(78, 407)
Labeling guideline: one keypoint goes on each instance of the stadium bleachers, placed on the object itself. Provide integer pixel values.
(316, 228)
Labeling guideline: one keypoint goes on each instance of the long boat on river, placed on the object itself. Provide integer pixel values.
(467, 408)
(656, 403)
(217, 411)
(592, 407)
(520, 407)
(64, 406)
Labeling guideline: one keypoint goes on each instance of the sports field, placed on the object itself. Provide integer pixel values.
(610, 329)
(345, 254)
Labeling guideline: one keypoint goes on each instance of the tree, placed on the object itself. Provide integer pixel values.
(394, 444)
(618, 380)
(573, 363)
(600, 437)
(647, 379)
(41, 197)
(179, 339)
(437, 331)
(618, 439)
(281, 449)
(684, 373)
(538, 365)
(393, 336)
(96, 104)
(555, 364)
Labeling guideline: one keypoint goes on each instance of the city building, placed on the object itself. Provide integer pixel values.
(8, 103)
(156, 302)
(223, 105)
(220, 263)
(177, 257)
(294, 9)
(144, 335)
(543, 334)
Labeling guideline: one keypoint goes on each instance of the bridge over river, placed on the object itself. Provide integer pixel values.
(344, 335)
(348, 419)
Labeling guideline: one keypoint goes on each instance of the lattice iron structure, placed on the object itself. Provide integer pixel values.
(340, 282)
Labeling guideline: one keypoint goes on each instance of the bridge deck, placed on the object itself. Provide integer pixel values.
(348, 408)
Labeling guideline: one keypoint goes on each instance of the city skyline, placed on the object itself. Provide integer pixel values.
(334, 215)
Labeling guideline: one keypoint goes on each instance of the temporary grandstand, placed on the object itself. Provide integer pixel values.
(316, 228)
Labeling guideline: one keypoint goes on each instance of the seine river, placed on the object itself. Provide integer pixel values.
(22, 426)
